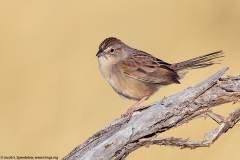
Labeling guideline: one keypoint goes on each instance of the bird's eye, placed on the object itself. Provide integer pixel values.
(112, 50)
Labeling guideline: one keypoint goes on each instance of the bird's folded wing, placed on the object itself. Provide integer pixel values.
(144, 67)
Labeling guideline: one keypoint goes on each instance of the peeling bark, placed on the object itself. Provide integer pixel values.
(118, 139)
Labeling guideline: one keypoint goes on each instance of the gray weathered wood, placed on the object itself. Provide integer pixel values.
(118, 139)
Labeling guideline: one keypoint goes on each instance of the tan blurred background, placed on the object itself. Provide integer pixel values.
(52, 95)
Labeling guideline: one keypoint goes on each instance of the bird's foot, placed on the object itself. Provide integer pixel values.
(129, 113)
(127, 116)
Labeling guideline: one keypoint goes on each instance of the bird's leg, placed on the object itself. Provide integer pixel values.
(134, 107)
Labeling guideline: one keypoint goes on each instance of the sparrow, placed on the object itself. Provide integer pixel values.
(136, 75)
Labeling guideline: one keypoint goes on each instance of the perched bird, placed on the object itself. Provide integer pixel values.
(136, 75)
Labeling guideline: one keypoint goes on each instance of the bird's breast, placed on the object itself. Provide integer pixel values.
(106, 67)
(124, 85)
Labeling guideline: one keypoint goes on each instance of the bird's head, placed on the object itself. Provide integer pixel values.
(113, 50)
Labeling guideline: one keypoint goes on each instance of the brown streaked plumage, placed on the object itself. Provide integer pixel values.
(136, 75)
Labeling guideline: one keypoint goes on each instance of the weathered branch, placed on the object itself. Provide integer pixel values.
(118, 139)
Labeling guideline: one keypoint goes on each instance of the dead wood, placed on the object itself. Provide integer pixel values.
(117, 140)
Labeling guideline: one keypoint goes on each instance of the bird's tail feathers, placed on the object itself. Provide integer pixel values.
(198, 62)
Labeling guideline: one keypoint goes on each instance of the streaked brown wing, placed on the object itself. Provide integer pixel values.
(144, 67)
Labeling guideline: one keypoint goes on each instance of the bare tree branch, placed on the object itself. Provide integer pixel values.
(118, 139)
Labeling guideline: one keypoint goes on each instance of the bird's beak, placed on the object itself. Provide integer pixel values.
(100, 53)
